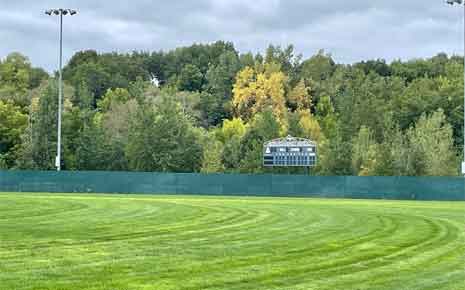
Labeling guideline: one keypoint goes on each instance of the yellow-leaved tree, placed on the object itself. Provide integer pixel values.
(299, 97)
(256, 91)
(310, 127)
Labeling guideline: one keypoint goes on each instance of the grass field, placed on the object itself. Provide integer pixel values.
(120, 242)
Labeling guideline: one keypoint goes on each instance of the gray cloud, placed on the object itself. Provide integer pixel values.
(349, 30)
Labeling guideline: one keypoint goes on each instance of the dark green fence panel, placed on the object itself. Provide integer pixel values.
(375, 188)
(259, 185)
(326, 186)
(198, 184)
(404, 188)
(233, 184)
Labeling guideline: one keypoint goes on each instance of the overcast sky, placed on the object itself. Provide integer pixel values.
(351, 30)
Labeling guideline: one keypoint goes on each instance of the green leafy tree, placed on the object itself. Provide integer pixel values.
(190, 79)
(211, 108)
(378, 66)
(326, 116)
(218, 95)
(190, 102)
(79, 58)
(38, 146)
(103, 139)
(36, 77)
(319, 67)
(264, 127)
(94, 76)
(431, 146)
(393, 152)
(294, 128)
(162, 138)
(212, 156)
(82, 97)
(288, 62)
(364, 152)
(231, 134)
(38, 149)
(115, 127)
(451, 87)
(421, 96)
(113, 96)
(12, 125)
(247, 60)
(15, 78)
(334, 156)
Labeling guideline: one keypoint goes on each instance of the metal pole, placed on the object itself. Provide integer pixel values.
(60, 92)
(463, 164)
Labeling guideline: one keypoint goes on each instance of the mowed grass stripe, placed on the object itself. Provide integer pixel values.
(72, 241)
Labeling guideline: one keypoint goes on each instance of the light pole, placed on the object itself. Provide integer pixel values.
(461, 2)
(60, 12)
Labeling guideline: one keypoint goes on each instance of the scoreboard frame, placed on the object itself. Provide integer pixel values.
(290, 152)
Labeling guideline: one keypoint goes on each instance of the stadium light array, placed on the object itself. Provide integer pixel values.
(60, 12)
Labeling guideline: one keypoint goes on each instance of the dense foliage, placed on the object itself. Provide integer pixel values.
(208, 108)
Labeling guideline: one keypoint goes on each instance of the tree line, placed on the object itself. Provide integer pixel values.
(208, 108)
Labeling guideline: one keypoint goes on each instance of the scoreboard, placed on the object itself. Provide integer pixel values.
(290, 152)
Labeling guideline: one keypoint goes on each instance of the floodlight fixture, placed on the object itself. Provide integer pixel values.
(452, 2)
(60, 11)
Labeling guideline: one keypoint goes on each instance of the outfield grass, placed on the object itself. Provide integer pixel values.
(118, 242)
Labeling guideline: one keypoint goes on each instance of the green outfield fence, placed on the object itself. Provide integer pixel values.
(404, 188)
